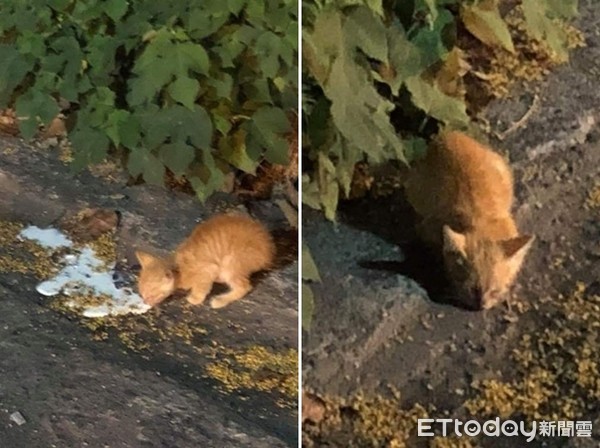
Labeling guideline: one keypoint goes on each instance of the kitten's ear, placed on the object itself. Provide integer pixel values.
(144, 258)
(516, 248)
(454, 241)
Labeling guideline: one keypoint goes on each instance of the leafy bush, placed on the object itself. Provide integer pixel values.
(381, 77)
(195, 86)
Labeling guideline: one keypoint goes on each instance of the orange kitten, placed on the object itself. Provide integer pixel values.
(463, 194)
(226, 248)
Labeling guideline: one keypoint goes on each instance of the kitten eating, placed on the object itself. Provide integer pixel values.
(462, 192)
(226, 248)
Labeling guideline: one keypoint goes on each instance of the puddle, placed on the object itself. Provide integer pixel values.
(83, 275)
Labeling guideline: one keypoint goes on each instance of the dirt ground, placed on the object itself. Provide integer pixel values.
(382, 350)
(176, 376)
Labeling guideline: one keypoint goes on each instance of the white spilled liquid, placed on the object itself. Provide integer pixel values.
(83, 274)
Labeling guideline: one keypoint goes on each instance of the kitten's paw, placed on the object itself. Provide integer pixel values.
(194, 300)
(219, 302)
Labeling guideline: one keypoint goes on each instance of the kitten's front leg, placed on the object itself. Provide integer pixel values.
(429, 230)
(199, 292)
(239, 288)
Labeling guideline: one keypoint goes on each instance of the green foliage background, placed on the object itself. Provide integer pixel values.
(375, 71)
(195, 86)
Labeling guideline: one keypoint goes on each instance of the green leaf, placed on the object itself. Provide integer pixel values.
(309, 267)
(228, 51)
(259, 91)
(210, 177)
(101, 57)
(222, 121)
(233, 150)
(269, 124)
(348, 155)
(432, 7)
(59, 5)
(310, 193)
(430, 40)
(153, 68)
(280, 83)
(370, 33)
(25, 18)
(202, 24)
(163, 60)
(159, 46)
(34, 105)
(178, 124)
(374, 5)
(13, 69)
(145, 89)
(90, 147)
(563, 8)
(246, 34)
(190, 56)
(222, 85)
(487, 25)
(135, 161)
(358, 111)
(405, 59)
(129, 132)
(177, 157)
(255, 12)
(116, 121)
(28, 128)
(271, 120)
(46, 81)
(144, 162)
(278, 151)
(201, 133)
(154, 170)
(31, 43)
(155, 125)
(328, 186)
(202, 192)
(415, 148)
(434, 102)
(185, 91)
(115, 9)
(235, 6)
(541, 27)
(103, 96)
(267, 49)
(308, 307)
(68, 57)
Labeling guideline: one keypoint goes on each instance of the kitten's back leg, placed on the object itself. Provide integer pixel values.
(240, 286)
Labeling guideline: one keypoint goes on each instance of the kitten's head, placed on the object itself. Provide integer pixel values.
(156, 281)
(483, 271)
